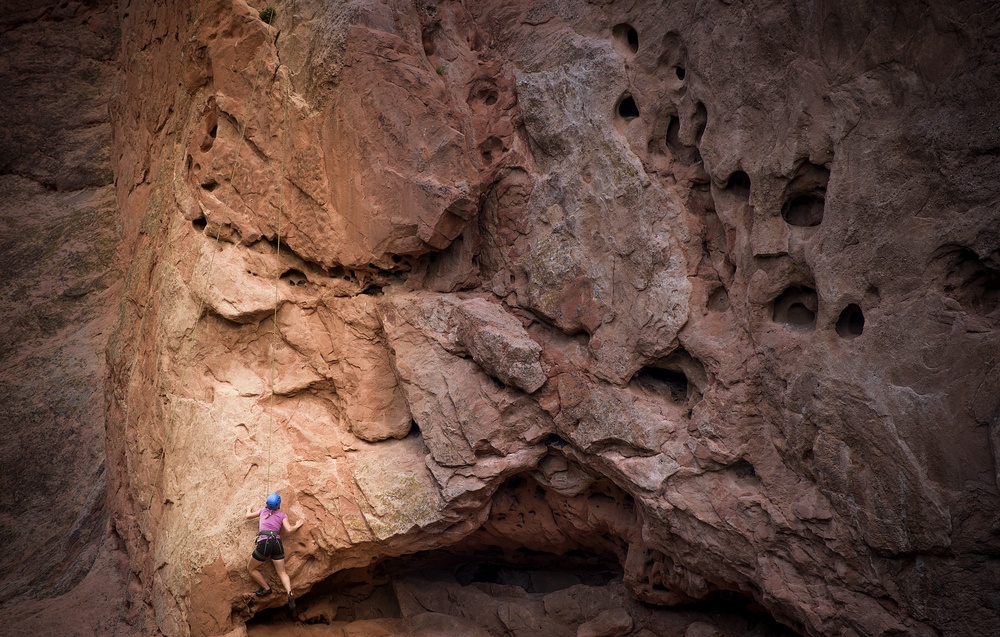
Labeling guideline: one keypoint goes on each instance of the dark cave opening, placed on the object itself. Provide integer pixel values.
(674, 134)
(796, 307)
(627, 108)
(804, 211)
(669, 381)
(739, 184)
(805, 196)
(971, 280)
(685, 154)
(718, 300)
(627, 37)
(851, 322)
(294, 277)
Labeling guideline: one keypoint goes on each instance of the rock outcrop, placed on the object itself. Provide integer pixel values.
(565, 318)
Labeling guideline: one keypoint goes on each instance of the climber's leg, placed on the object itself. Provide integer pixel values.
(252, 567)
(279, 565)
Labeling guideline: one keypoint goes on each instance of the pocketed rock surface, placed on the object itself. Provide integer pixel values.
(602, 318)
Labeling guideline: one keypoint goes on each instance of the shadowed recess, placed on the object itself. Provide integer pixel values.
(851, 322)
(738, 184)
(671, 382)
(551, 555)
(627, 108)
(796, 307)
(718, 300)
(969, 279)
(803, 210)
(294, 277)
(805, 196)
(681, 151)
(626, 37)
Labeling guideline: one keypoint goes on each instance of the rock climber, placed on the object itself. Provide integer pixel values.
(269, 545)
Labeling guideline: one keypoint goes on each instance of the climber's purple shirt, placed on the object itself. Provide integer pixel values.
(272, 522)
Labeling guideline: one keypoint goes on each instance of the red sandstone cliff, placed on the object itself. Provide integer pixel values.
(550, 317)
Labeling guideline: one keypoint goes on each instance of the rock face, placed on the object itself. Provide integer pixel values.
(548, 318)
(60, 285)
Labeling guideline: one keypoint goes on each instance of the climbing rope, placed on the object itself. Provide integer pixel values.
(201, 306)
(277, 281)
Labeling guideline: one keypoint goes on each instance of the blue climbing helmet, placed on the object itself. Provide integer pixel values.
(274, 501)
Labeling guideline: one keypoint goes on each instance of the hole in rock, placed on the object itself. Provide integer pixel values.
(743, 469)
(674, 134)
(739, 184)
(483, 92)
(190, 161)
(491, 149)
(667, 381)
(627, 108)
(700, 121)
(683, 153)
(679, 70)
(803, 210)
(211, 130)
(210, 185)
(373, 290)
(294, 277)
(396, 258)
(718, 300)
(627, 37)
(972, 281)
(851, 322)
(678, 376)
(796, 307)
(555, 440)
(200, 223)
(805, 196)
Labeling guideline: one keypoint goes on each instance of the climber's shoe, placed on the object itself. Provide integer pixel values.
(291, 602)
(263, 592)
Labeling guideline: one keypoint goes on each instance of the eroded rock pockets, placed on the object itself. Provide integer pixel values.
(801, 201)
(633, 405)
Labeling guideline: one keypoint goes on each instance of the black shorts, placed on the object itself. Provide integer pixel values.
(269, 548)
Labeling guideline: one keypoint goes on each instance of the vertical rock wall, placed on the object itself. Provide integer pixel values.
(706, 289)
(59, 283)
